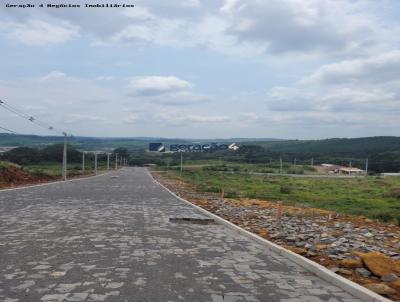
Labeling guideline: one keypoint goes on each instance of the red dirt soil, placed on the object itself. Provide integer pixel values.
(13, 176)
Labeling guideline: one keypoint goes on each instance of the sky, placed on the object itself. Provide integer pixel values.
(296, 69)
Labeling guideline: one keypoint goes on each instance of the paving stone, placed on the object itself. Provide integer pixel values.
(110, 239)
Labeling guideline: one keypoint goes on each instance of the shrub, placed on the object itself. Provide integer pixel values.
(267, 170)
(212, 189)
(295, 170)
(395, 193)
(251, 194)
(309, 168)
(231, 193)
(385, 216)
(284, 189)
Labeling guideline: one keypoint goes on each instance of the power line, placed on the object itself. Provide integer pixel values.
(8, 130)
(28, 117)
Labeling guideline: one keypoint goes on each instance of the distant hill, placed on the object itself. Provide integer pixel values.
(354, 147)
(105, 143)
(87, 143)
(383, 152)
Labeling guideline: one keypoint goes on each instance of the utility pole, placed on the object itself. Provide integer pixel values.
(312, 161)
(95, 163)
(116, 161)
(64, 168)
(108, 161)
(181, 163)
(83, 162)
(366, 167)
(280, 165)
(295, 161)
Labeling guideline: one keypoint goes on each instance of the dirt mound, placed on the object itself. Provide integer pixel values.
(11, 175)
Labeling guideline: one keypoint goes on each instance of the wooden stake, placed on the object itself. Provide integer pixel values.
(279, 210)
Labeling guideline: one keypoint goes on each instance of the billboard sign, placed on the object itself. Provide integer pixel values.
(156, 147)
(159, 147)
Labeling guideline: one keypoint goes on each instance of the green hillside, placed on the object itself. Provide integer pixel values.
(383, 152)
(356, 147)
(87, 143)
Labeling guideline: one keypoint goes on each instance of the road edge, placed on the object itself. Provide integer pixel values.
(54, 182)
(347, 285)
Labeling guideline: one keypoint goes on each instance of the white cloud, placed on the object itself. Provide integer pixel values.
(54, 75)
(206, 118)
(241, 28)
(85, 106)
(177, 117)
(252, 116)
(153, 85)
(104, 78)
(83, 118)
(180, 98)
(361, 85)
(384, 67)
(323, 63)
(165, 90)
(138, 13)
(38, 32)
(283, 26)
(131, 118)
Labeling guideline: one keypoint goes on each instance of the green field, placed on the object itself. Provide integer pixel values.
(374, 197)
(224, 166)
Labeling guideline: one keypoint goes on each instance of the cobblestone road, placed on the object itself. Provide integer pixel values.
(109, 238)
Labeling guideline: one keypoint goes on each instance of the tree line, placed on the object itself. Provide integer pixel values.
(53, 153)
(380, 159)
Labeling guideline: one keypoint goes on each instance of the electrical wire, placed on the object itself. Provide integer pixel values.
(8, 130)
(28, 117)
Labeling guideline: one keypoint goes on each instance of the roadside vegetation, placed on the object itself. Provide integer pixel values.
(55, 169)
(374, 197)
(383, 152)
(235, 173)
(47, 161)
(234, 167)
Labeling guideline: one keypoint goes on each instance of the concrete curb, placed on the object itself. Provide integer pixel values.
(349, 286)
(53, 182)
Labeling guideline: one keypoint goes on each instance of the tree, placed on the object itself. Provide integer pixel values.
(22, 155)
(55, 153)
(122, 152)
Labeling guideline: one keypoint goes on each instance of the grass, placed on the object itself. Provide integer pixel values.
(373, 197)
(219, 165)
(7, 164)
(55, 169)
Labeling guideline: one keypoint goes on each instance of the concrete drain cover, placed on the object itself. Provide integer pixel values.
(192, 220)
